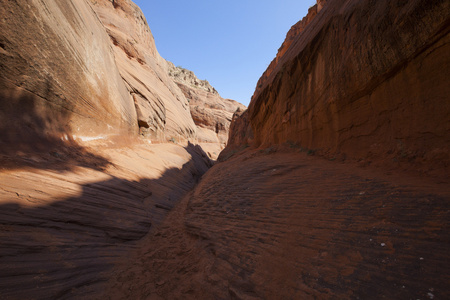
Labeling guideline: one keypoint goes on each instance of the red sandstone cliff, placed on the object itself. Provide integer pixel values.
(161, 108)
(87, 70)
(291, 36)
(211, 113)
(90, 221)
(58, 74)
(91, 71)
(362, 80)
(74, 76)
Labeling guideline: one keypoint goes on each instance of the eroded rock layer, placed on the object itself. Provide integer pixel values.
(67, 217)
(364, 80)
(58, 73)
(211, 113)
(83, 70)
(128, 220)
(285, 225)
(161, 108)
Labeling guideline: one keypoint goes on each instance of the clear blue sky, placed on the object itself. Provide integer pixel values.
(229, 43)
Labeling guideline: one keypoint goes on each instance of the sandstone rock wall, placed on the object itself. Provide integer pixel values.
(187, 77)
(162, 110)
(58, 73)
(84, 69)
(364, 80)
(291, 36)
(211, 113)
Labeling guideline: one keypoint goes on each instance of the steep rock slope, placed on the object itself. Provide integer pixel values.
(162, 110)
(76, 191)
(211, 113)
(291, 36)
(364, 80)
(84, 69)
(58, 74)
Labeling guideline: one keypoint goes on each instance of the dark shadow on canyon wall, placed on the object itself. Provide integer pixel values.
(65, 249)
(33, 131)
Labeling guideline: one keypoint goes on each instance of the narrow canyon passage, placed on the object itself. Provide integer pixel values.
(331, 183)
(293, 226)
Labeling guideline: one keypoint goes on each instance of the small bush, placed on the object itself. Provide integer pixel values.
(293, 145)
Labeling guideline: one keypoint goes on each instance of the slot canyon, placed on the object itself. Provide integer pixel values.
(124, 176)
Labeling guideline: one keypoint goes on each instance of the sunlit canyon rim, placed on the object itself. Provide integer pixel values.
(123, 176)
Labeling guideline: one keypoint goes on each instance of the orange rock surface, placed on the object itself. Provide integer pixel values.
(364, 81)
(67, 217)
(54, 61)
(281, 224)
(89, 210)
(161, 108)
(211, 113)
(85, 70)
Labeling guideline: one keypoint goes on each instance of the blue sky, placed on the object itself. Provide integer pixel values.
(229, 43)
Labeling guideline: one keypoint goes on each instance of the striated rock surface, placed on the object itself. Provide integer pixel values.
(362, 80)
(162, 110)
(285, 225)
(291, 36)
(67, 217)
(211, 113)
(77, 80)
(90, 70)
(58, 74)
(127, 220)
(84, 70)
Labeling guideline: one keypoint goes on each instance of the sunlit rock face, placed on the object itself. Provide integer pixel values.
(77, 188)
(58, 73)
(211, 113)
(85, 69)
(362, 80)
(161, 108)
